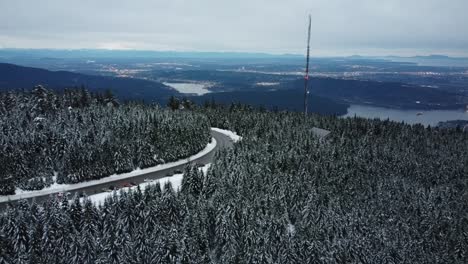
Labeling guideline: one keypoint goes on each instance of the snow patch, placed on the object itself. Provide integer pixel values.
(291, 229)
(190, 88)
(38, 119)
(233, 135)
(54, 186)
(175, 180)
(267, 83)
(205, 168)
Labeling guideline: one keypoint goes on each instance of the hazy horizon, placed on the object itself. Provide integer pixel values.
(339, 27)
(231, 52)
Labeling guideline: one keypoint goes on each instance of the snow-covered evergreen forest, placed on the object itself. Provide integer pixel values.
(372, 192)
(74, 136)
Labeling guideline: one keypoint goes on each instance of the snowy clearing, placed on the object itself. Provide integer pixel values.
(54, 188)
(190, 88)
(175, 180)
(229, 133)
(267, 83)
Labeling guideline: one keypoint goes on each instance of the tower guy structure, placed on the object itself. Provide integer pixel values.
(306, 77)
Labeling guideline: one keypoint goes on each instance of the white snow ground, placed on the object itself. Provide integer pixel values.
(190, 88)
(229, 133)
(175, 180)
(267, 83)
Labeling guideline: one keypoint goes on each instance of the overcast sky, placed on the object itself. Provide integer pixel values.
(339, 27)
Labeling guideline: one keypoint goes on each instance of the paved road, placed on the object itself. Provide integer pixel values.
(222, 141)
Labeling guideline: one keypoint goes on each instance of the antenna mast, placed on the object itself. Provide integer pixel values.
(306, 77)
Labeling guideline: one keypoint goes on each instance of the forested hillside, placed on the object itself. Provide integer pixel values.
(372, 192)
(280, 100)
(75, 136)
(19, 77)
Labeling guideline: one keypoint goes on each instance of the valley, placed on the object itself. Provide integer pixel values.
(270, 81)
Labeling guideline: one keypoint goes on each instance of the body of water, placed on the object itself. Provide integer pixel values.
(425, 117)
(190, 88)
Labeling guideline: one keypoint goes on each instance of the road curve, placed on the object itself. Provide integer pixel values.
(222, 141)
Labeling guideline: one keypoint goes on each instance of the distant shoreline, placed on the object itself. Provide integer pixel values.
(410, 116)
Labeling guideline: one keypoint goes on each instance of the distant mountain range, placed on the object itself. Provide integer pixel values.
(432, 60)
(105, 53)
(116, 54)
(431, 57)
(18, 77)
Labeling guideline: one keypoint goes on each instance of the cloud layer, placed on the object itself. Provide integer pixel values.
(339, 27)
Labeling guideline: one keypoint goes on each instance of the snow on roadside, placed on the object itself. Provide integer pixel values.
(175, 180)
(54, 188)
(229, 133)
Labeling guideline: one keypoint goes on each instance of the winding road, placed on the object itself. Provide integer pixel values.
(222, 141)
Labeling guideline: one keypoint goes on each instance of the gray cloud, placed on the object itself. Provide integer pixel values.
(339, 27)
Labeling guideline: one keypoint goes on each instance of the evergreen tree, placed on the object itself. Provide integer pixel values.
(173, 103)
